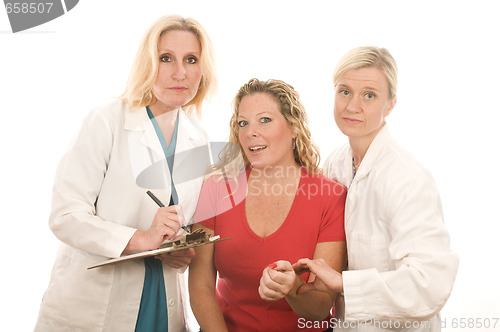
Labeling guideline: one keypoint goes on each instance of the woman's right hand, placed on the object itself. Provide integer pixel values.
(166, 224)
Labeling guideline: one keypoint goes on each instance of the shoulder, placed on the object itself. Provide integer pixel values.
(401, 163)
(111, 109)
(335, 164)
(217, 181)
(111, 113)
(397, 171)
(337, 156)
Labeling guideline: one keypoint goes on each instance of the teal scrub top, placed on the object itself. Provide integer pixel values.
(153, 313)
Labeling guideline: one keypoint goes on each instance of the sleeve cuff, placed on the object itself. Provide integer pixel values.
(354, 294)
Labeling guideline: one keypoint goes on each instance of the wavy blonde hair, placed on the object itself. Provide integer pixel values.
(306, 152)
(144, 71)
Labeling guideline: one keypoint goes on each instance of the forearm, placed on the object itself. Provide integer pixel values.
(136, 243)
(314, 305)
(206, 309)
(415, 291)
(202, 283)
(91, 234)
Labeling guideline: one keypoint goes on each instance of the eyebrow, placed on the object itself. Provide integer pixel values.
(260, 113)
(364, 87)
(169, 51)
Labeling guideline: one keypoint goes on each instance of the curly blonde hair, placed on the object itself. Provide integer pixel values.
(306, 152)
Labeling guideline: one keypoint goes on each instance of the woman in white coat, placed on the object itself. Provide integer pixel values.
(400, 267)
(148, 140)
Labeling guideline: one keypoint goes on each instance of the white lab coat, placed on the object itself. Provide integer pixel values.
(400, 266)
(98, 205)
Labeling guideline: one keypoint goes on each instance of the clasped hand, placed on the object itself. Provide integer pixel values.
(283, 279)
(278, 281)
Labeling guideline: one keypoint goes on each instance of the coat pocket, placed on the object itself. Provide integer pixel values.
(367, 251)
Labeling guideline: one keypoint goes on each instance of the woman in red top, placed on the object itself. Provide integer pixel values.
(276, 209)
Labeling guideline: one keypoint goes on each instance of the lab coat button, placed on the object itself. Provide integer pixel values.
(171, 303)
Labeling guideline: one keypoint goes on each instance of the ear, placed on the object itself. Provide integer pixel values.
(391, 105)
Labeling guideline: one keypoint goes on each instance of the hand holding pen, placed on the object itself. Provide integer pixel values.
(160, 204)
(165, 225)
(177, 259)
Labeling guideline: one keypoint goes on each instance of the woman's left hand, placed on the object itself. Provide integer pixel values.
(278, 280)
(327, 279)
(177, 259)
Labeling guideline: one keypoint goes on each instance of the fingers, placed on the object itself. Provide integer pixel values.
(167, 221)
(270, 290)
(310, 265)
(325, 279)
(177, 259)
(277, 281)
(281, 266)
(301, 266)
(190, 252)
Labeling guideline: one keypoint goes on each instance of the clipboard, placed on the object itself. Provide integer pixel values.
(195, 239)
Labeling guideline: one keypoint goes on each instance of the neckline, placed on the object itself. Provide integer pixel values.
(167, 148)
(285, 222)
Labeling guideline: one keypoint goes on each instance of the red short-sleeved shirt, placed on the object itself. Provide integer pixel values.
(316, 215)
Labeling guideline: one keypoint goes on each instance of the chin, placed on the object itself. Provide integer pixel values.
(347, 132)
(257, 165)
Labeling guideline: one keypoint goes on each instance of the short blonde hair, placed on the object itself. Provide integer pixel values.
(369, 56)
(306, 153)
(144, 71)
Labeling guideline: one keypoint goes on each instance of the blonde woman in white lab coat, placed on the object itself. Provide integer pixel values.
(400, 267)
(100, 207)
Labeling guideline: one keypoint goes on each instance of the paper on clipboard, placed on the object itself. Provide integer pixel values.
(195, 239)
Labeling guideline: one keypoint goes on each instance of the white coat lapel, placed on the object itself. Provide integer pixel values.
(350, 183)
(191, 161)
(146, 155)
(366, 166)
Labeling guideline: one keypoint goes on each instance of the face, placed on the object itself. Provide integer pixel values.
(362, 102)
(179, 70)
(264, 133)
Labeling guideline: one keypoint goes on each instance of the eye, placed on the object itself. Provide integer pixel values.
(265, 119)
(242, 123)
(192, 60)
(370, 95)
(165, 58)
(344, 92)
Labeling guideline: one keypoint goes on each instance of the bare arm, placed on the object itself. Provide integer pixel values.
(202, 282)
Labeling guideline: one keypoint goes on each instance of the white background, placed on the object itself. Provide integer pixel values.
(447, 113)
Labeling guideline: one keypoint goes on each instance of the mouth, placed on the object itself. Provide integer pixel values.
(257, 147)
(178, 88)
(352, 121)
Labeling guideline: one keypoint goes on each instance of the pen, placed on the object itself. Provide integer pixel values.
(160, 204)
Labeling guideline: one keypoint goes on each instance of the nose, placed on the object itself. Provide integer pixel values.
(251, 130)
(354, 105)
(179, 71)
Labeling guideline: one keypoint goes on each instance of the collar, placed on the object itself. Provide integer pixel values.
(372, 153)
